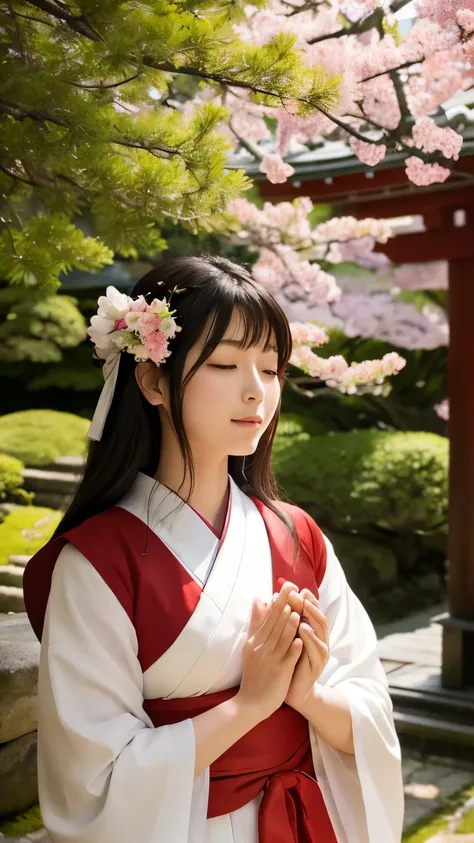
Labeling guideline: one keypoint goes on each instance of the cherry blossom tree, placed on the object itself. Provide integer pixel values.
(297, 262)
(392, 86)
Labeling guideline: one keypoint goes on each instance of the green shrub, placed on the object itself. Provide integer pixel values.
(299, 425)
(11, 481)
(26, 529)
(37, 437)
(392, 483)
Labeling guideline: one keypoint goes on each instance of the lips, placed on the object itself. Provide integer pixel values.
(250, 419)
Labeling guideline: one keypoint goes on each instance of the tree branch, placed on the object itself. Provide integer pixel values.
(78, 24)
(16, 177)
(372, 20)
(393, 69)
(31, 17)
(101, 86)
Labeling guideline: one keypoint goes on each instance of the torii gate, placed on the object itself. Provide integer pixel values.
(385, 192)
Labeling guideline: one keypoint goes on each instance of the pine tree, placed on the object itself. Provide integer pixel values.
(98, 144)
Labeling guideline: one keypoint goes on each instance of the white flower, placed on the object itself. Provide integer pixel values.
(158, 306)
(169, 327)
(140, 353)
(114, 305)
(132, 319)
(100, 325)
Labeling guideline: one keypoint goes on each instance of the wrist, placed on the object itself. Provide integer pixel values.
(311, 705)
(247, 710)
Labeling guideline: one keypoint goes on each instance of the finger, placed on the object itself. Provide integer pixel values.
(293, 653)
(276, 633)
(308, 595)
(315, 618)
(287, 635)
(296, 602)
(317, 650)
(255, 617)
(275, 612)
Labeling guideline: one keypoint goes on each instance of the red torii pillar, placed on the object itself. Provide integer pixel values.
(388, 194)
(444, 241)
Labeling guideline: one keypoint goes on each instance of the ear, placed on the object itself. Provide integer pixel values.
(151, 382)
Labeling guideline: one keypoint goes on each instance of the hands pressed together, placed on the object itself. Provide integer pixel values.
(286, 650)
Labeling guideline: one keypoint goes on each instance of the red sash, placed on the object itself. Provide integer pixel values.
(275, 757)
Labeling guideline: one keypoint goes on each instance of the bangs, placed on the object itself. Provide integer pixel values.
(264, 323)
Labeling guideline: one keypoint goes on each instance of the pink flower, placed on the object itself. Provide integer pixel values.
(138, 305)
(156, 344)
(148, 323)
(275, 169)
(120, 323)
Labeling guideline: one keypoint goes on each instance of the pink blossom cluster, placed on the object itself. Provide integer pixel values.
(384, 317)
(350, 228)
(442, 409)
(276, 170)
(369, 153)
(432, 138)
(442, 11)
(273, 223)
(305, 333)
(441, 76)
(337, 374)
(420, 276)
(423, 174)
(359, 251)
(282, 271)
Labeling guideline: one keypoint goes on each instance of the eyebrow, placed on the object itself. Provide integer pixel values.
(239, 343)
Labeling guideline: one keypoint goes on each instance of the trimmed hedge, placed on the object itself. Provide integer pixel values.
(11, 481)
(26, 529)
(385, 482)
(38, 437)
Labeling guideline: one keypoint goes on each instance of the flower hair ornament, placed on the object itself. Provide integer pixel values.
(123, 324)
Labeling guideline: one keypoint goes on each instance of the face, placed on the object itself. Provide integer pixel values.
(230, 385)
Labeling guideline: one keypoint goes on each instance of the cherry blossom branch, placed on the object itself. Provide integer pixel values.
(392, 69)
(372, 20)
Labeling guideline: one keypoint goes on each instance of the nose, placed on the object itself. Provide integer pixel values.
(253, 388)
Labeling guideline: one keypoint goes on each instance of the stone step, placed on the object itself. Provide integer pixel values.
(51, 488)
(62, 482)
(432, 734)
(11, 599)
(11, 575)
(71, 465)
(19, 559)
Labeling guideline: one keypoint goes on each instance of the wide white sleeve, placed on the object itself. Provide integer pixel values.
(104, 772)
(363, 792)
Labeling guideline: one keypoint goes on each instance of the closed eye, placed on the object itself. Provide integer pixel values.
(217, 366)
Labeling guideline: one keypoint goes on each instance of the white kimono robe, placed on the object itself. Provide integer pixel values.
(106, 775)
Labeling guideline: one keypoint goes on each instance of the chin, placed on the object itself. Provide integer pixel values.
(244, 450)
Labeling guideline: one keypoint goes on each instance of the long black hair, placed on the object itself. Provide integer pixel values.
(131, 439)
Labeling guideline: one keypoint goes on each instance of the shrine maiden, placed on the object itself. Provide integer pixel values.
(206, 673)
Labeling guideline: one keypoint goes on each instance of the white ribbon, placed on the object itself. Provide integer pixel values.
(110, 372)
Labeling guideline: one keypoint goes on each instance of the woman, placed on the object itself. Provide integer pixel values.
(206, 674)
